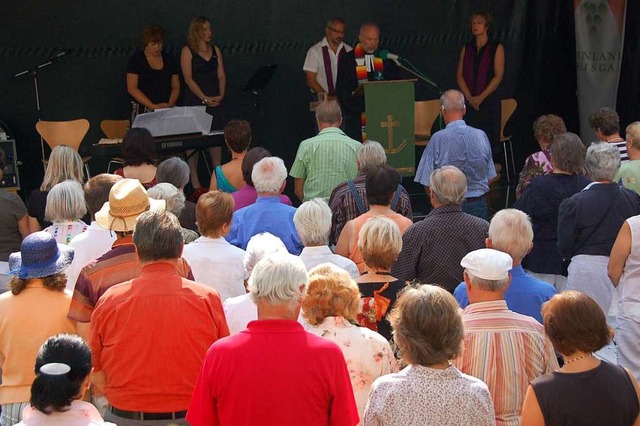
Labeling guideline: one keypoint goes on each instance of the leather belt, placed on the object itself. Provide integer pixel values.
(141, 415)
(472, 199)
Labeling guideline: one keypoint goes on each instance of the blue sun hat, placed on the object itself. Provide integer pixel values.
(39, 256)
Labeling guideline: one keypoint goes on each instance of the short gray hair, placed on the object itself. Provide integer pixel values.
(173, 197)
(329, 112)
(633, 134)
(268, 175)
(259, 246)
(174, 171)
(157, 236)
(369, 155)
(277, 280)
(65, 202)
(603, 161)
(488, 285)
(313, 222)
(449, 185)
(452, 100)
(511, 232)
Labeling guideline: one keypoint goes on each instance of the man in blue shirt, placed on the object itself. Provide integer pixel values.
(511, 232)
(462, 146)
(268, 213)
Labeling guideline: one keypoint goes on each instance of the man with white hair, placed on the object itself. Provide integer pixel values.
(511, 232)
(268, 213)
(504, 349)
(432, 248)
(327, 159)
(289, 376)
(349, 199)
(313, 223)
(462, 146)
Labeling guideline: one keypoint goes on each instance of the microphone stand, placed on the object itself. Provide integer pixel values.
(33, 72)
(422, 77)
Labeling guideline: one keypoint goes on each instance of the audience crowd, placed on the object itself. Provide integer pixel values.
(129, 305)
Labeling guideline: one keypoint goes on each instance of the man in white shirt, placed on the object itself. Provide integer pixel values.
(313, 223)
(96, 240)
(321, 63)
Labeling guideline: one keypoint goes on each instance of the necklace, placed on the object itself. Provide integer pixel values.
(376, 273)
(569, 361)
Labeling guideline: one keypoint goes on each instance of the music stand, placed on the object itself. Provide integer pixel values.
(259, 81)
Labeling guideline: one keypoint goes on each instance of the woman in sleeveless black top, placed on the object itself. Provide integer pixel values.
(205, 80)
(585, 391)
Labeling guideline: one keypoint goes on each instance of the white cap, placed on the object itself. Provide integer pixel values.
(488, 264)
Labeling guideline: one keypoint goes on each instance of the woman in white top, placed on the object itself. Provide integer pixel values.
(624, 313)
(427, 327)
(331, 302)
(65, 207)
(63, 369)
(214, 262)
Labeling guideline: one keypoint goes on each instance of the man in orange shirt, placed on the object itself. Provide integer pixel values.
(149, 335)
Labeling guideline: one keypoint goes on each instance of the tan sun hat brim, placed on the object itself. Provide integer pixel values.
(124, 224)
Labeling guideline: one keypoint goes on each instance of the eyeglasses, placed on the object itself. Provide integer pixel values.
(337, 31)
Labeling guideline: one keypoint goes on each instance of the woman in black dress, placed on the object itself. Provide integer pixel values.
(205, 79)
(152, 75)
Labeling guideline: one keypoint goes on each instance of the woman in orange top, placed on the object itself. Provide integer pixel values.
(381, 184)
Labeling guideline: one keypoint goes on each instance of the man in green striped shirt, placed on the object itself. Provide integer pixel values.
(327, 159)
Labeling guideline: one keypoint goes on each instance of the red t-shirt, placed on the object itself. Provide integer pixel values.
(273, 373)
(150, 336)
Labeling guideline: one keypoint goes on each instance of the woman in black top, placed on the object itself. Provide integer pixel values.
(206, 82)
(152, 75)
(585, 391)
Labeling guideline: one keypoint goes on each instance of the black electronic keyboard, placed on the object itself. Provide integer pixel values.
(166, 145)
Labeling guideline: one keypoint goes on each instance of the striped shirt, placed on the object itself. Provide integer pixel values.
(466, 148)
(325, 161)
(622, 148)
(505, 350)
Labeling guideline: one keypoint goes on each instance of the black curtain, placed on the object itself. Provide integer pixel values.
(628, 106)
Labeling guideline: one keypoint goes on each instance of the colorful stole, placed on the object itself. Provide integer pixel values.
(327, 68)
(361, 66)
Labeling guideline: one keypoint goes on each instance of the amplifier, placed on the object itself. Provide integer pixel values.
(11, 177)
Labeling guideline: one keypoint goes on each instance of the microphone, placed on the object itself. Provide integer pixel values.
(385, 54)
(60, 54)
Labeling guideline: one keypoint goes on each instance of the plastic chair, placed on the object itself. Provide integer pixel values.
(69, 133)
(426, 113)
(114, 129)
(508, 108)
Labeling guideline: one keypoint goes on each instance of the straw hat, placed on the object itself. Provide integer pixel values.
(40, 256)
(127, 200)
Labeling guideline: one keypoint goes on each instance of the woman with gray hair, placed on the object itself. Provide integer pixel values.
(175, 171)
(65, 207)
(428, 330)
(240, 310)
(541, 201)
(589, 221)
(174, 199)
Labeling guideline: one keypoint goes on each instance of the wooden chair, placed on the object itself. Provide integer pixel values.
(426, 113)
(114, 129)
(508, 108)
(69, 133)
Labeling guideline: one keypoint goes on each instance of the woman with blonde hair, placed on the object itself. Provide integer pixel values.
(205, 80)
(428, 330)
(330, 305)
(379, 242)
(64, 164)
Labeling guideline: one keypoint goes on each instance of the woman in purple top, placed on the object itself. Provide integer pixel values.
(247, 195)
(479, 73)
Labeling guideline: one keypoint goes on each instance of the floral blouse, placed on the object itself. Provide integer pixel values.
(537, 164)
(420, 395)
(367, 354)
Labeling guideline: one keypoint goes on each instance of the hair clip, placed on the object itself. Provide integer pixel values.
(55, 369)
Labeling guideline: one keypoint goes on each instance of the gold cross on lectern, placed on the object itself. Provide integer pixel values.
(389, 125)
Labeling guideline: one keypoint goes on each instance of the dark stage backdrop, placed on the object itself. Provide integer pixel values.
(90, 81)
